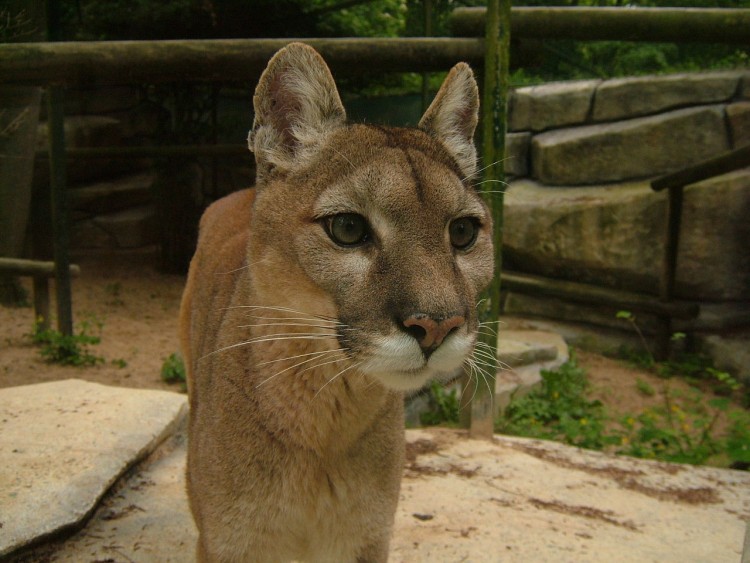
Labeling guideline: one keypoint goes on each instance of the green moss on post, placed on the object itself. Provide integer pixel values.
(494, 111)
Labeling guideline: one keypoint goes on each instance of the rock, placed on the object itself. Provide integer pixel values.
(624, 150)
(524, 354)
(607, 235)
(714, 258)
(745, 86)
(113, 195)
(517, 154)
(149, 517)
(86, 233)
(130, 228)
(551, 105)
(521, 354)
(474, 500)
(614, 235)
(62, 446)
(516, 499)
(623, 98)
(738, 116)
(85, 131)
(729, 352)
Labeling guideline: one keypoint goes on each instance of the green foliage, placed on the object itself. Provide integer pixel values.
(681, 428)
(72, 350)
(678, 430)
(559, 410)
(173, 370)
(443, 406)
(645, 388)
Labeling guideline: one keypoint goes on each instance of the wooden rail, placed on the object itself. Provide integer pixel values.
(217, 60)
(675, 183)
(40, 272)
(680, 25)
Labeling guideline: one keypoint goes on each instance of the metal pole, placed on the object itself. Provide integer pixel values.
(495, 102)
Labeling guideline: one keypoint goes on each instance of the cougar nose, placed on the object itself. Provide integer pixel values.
(430, 332)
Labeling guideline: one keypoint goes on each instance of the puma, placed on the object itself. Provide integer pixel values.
(347, 276)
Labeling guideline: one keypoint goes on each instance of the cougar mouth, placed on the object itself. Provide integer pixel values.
(399, 363)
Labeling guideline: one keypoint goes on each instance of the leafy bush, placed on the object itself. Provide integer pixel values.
(443, 406)
(69, 350)
(681, 428)
(173, 370)
(559, 410)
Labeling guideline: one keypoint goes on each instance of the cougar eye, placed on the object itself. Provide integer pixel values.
(463, 232)
(347, 229)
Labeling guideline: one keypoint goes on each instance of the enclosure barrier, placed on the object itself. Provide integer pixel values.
(40, 273)
(678, 25)
(675, 183)
(59, 65)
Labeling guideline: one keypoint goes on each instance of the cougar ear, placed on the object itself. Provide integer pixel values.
(296, 106)
(453, 115)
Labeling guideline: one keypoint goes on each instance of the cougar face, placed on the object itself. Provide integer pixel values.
(394, 235)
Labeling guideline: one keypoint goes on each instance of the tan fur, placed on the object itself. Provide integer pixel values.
(296, 347)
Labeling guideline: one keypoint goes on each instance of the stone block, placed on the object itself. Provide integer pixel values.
(547, 106)
(738, 117)
(623, 98)
(85, 233)
(113, 195)
(614, 235)
(64, 444)
(745, 86)
(517, 154)
(130, 228)
(86, 131)
(637, 148)
(714, 256)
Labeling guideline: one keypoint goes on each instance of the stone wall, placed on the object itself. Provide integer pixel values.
(579, 204)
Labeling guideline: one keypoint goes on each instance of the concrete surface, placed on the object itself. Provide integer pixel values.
(512, 500)
(62, 446)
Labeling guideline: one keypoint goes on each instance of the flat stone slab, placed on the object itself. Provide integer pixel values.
(521, 500)
(62, 446)
(630, 149)
(512, 499)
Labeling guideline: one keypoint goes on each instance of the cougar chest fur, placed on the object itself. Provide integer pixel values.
(346, 277)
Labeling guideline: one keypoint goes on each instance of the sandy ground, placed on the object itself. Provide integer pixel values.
(136, 308)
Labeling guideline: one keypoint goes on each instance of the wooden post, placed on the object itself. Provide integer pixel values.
(60, 227)
(427, 14)
(669, 268)
(494, 111)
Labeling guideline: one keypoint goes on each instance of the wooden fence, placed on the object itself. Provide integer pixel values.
(57, 65)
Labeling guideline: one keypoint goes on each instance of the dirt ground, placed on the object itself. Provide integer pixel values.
(136, 309)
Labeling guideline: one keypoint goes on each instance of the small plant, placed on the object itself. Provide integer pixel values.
(114, 290)
(630, 318)
(682, 428)
(644, 388)
(173, 371)
(559, 410)
(443, 405)
(68, 350)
